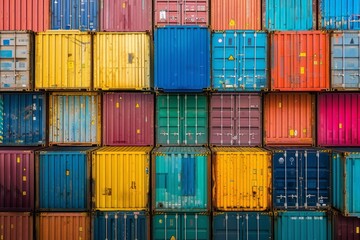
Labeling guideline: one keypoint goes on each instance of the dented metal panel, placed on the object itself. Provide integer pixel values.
(17, 226)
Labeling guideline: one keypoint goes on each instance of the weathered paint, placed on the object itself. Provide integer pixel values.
(16, 226)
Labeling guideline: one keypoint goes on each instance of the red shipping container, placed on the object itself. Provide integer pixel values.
(345, 228)
(300, 61)
(128, 119)
(25, 15)
(339, 119)
(17, 226)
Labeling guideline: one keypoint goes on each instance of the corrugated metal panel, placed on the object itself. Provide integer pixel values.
(179, 12)
(246, 225)
(182, 54)
(74, 118)
(22, 119)
(121, 178)
(25, 15)
(248, 191)
(289, 119)
(16, 61)
(239, 61)
(128, 119)
(59, 226)
(122, 61)
(181, 226)
(63, 179)
(301, 178)
(181, 179)
(345, 60)
(181, 120)
(124, 15)
(345, 228)
(300, 61)
(63, 60)
(289, 15)
(121, 225)
(338, 119)
(74, 14)
(236, 119)
(17, 226)
(339, 14)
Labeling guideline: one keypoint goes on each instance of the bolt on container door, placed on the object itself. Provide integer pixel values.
(239, 61)
(181, 179)
(345, 228)
(301, 178)
(17, 226)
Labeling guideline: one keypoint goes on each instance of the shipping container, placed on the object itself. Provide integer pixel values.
(124, 15)
(338, 119)
(301, 178)
(345, 228)
(128, 119)
(22, 119)
(181, 179)
(74, 118)
(181, 226)
(59, 226)
(121, 178)
(339, 14)
(179, 12)
(25, 15)
(63, 60)
(242, 225)
(302, 225)
(181, 119)
(17, 226)
(241, 179)
(74, 14)
(235, 119)
(121, 225)
(300, 61)
(289, 119)
(16, 61)
(122, 61)
(182, 59)
(289, 15)
(345, 60)
(63, 179)
(239, 61)
(346, 181)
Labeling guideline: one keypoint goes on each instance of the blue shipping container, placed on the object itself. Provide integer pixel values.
(339, 14)
(346, 181)
(22, 119)
(301, 178)
(120, 225)
(239, 61)
(182, 59)
(74, 14)
(242, 225)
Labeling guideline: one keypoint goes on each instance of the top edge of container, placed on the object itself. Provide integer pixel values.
(181, 149)
(110, 149)
(355, 150)
(238, 149)
(294, 148)
(181, 27)
(63, 214)
(242, 213)
(67, 149)
(65, 32)
(18, 148)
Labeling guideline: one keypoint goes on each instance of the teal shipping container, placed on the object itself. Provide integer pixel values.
(346, 181)
(181, 179)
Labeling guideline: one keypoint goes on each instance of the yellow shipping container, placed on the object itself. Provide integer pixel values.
(122, 61)
(63, 60)
(242, 179)
(121, 178)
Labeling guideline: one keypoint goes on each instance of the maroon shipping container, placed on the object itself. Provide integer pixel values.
(346, 228)
(235, 119)
(128, 119)
(339, 119)
(16, 226)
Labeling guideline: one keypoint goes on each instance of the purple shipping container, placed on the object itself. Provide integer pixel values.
(16, 226)
(235, 119)
(339, 119)
(345, 228)
(128, 119)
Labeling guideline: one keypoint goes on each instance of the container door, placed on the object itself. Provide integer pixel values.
(194, 226)
(134, 227)
(167, 227)
(87, 10)
(194, 12)
(167, 12)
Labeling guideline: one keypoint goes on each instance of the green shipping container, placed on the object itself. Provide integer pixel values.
(181, 120)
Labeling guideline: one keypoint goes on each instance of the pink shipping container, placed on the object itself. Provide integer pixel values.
(125, 15)
(339, 119)
(16, 226)
(180, 12)
(25, 15)
(128, 119)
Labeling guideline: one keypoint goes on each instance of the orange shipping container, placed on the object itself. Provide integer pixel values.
(289, 119)
(300, 61)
